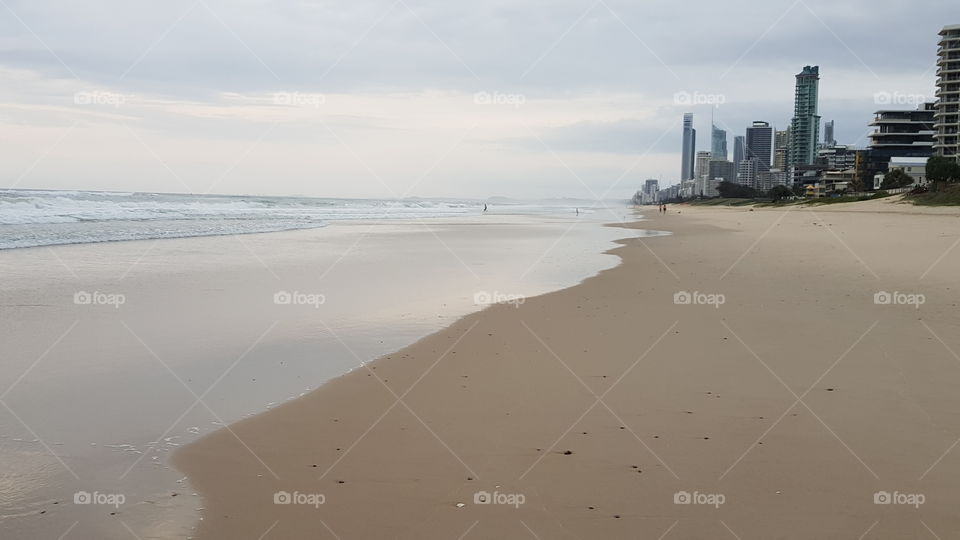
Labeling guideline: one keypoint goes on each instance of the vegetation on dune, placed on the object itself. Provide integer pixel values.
(896, 179)
(946, 195)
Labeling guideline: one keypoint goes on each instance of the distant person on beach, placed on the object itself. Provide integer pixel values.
(578, 211)
(484, 207)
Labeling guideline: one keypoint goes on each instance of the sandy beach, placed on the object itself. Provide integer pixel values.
(96, 394)
(761, 373)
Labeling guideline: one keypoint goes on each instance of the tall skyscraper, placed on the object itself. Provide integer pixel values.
(805, 129)
(781, 149)
(689, 148)
(947, 117)
(828, 139)
(718, 138)
(651, 186)
(739, 145)
(760, 145)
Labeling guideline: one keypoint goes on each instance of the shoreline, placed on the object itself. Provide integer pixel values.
(487, 403)
(109, 388)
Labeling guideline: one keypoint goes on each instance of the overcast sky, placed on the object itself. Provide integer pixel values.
(432, 98)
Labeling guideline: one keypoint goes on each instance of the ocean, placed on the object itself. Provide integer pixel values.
(30, 218)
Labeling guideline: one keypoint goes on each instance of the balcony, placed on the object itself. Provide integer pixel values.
(902, 133)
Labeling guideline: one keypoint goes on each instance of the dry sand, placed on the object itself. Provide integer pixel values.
(793, 402)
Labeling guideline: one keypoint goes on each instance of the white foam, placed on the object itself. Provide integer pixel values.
(39, 218)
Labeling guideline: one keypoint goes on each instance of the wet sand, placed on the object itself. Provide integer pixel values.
(94, 396)
(782, 412)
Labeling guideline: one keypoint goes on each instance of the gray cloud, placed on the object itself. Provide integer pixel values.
(615, 50)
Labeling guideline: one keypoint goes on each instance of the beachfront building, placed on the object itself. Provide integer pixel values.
(947, 124)
(648, 195)
(915, 167)
(899, 133)
(706, 187)
(828, 138)
(805, 127)
(702, 167)
(781, 149)
(739, 145)
(747, 172)
(904, 132)
(766, 180)
(718, 139)
(838, 157)
(722, 170)
(759, 144)
(670, 193)
(689, 148)
(838, 180)
(688, 189)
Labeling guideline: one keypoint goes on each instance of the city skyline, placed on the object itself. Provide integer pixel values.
(253, 98)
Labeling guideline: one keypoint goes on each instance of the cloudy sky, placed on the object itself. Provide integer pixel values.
(432, 98)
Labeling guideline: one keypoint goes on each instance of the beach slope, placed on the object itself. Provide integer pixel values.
(758, 374)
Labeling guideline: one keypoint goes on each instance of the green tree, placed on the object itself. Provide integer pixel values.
(780, 192)
(943, 169)
(856, 184)
(729, 190)
(896, 179)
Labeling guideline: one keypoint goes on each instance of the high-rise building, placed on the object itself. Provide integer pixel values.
(648, 195)
(767, 179)
(722, 170)
(718, 147)
(747, 172)
(805, 129)
(947, 123)
(702, 167)
(760, 145)
(828, 139)
(903, 133)
(838, 157)
(781, 149)
(689, 148)
(739, 146)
